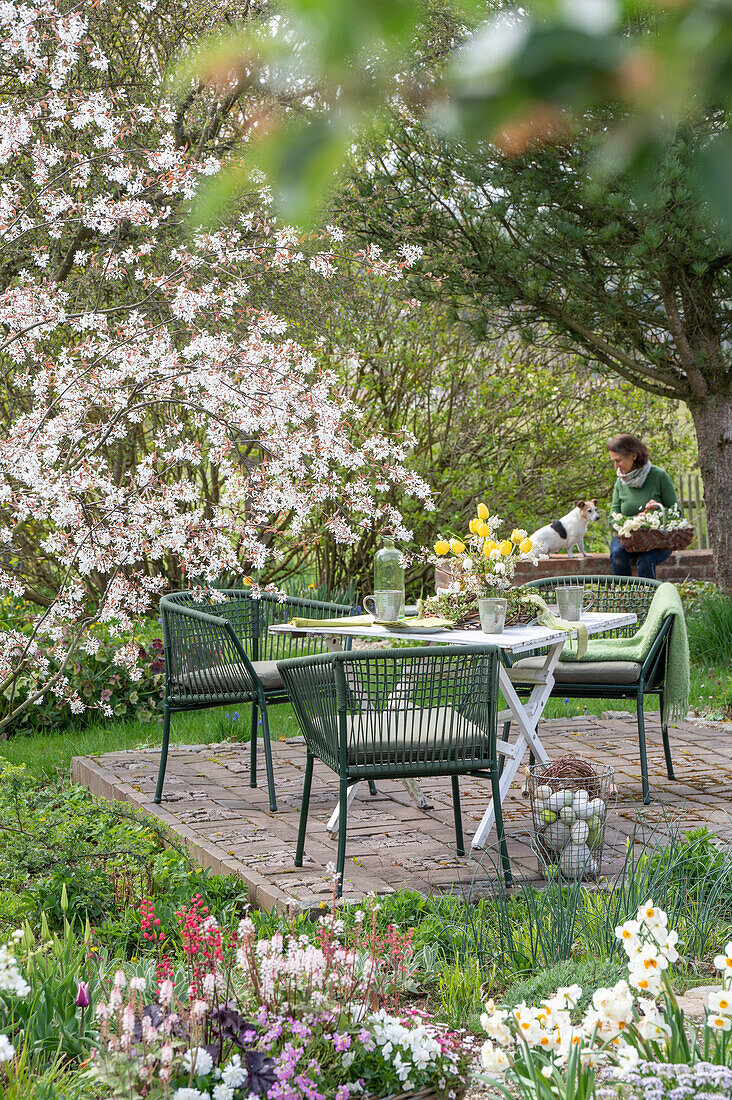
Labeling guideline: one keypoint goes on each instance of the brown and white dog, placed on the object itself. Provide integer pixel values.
(567, 532)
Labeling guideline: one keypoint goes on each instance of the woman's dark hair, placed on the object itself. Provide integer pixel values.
(626, 444)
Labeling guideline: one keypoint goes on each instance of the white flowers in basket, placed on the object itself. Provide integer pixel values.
(621, 1026)
(649, 521)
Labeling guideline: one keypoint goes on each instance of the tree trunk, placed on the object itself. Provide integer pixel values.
(713, 425)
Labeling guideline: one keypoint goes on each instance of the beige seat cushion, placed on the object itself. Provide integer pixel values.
(385, 737)
(584, 672)
(229, 679)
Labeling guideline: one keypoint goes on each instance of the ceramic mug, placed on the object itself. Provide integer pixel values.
(572, 600)
(492, 613)
(387, 604)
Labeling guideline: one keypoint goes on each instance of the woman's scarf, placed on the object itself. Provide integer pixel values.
(635, 479)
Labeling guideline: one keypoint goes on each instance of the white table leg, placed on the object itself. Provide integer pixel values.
(332, 826)
(526, 716)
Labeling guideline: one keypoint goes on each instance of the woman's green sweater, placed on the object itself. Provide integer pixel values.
(657, 486)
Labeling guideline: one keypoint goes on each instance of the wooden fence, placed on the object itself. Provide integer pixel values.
(691, 499)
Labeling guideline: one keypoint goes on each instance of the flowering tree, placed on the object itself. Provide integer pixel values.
(154, 407)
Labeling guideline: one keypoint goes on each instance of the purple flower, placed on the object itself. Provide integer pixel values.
(342, 1042)
(82, 995)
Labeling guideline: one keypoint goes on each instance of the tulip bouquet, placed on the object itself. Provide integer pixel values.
(481, 564)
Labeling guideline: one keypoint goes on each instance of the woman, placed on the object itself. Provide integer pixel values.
(639, 487)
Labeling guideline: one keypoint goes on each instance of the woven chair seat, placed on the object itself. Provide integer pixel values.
(584, 672)
(403, 736)
(227, 679)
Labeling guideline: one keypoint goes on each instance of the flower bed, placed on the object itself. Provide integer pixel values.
(227, 1017)
(633, 1040)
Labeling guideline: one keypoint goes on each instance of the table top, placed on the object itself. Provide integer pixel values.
(514, 639)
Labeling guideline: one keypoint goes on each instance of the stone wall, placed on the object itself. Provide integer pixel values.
(696, 565)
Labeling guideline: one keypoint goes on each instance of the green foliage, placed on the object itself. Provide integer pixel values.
(515, 86)
(47, 1023)
(107, 855)
(94, 676)
(522, 427)
(709, 624)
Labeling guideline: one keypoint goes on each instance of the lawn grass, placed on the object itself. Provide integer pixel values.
(49, 754)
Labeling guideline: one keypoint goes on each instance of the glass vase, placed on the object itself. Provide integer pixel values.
(388, 569)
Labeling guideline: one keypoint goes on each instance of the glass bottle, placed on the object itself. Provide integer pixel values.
(388, 569)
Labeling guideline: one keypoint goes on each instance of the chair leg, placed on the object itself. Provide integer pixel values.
(642, 747)
(666, 743)
(500, 830)
(372, 787)
(341, 856)
(304, 810)
(504, 737)
(268, 760)
(253, 746)
(458, 816)
(163, 755)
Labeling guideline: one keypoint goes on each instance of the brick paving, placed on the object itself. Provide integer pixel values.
(392, 843)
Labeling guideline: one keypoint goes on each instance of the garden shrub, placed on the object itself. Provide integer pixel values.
(108, 856)
(102, 684)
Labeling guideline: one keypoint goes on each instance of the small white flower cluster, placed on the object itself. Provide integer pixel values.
(407, 1049)
(719, 1010)
(612, 1024)
(649, 521)
(11, 980)
(650, 947)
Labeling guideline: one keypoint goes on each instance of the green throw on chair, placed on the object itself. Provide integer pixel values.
(651, 658)
(398, 714)
(218, 653)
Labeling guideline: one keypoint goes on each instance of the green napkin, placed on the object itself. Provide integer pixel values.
(347, 620)
(545, 617)
(666, 602)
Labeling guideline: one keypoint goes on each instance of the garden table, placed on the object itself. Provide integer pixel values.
(524, 714)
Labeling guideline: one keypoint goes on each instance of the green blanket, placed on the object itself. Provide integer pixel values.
(666, 602)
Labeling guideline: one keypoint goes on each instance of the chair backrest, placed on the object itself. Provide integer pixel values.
(611, 593)
(398, 712)
(251, 619)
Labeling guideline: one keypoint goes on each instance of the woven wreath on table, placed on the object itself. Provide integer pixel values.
(462, 607)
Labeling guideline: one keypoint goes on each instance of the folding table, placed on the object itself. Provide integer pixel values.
(524, 715)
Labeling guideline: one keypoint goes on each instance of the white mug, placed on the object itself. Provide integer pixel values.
(387, 604)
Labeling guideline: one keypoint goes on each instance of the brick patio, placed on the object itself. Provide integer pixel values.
(228, 827)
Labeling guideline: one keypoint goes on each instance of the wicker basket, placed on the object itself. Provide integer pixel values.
(657, 539)
(641, 541)
(581, 791)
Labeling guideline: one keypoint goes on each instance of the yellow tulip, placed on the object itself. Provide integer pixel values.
(491, 545)
(484, 530)
(247, 581)
(517, 535)
(525, 546)
(474, 525)
(483, 512)
(442, 547)
(505, 547)
(457, 546)
(487, 548)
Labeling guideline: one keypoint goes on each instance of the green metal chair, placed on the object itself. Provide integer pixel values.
(614, 679)
(218, 653)
(398, 714)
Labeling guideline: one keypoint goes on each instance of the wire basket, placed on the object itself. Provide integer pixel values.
(570, 799)
(657, 538)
